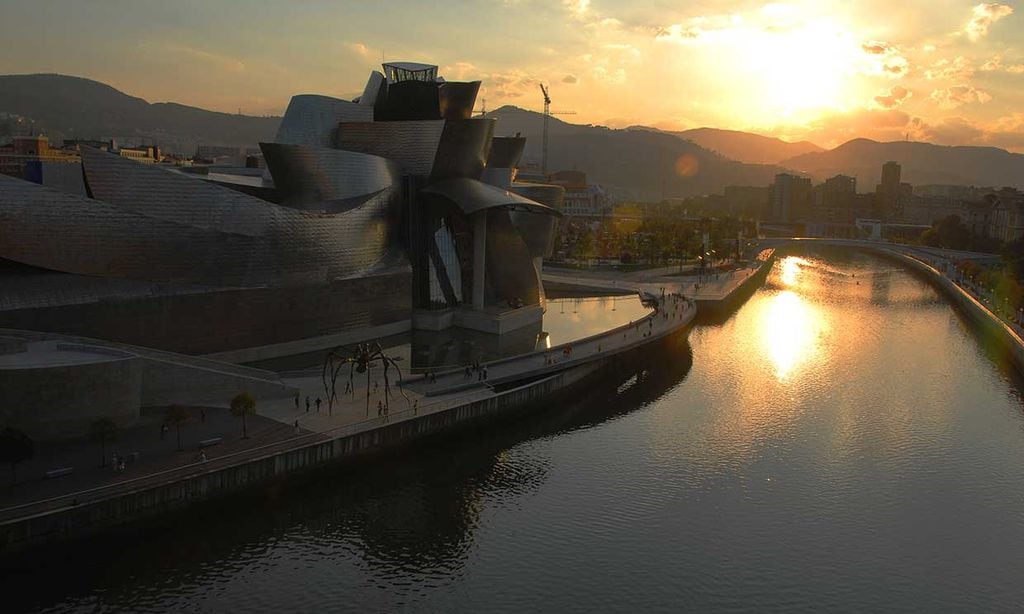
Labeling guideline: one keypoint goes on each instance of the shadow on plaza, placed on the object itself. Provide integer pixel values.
(413, 509)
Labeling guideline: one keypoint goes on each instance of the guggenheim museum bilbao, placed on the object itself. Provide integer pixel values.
(393, 211)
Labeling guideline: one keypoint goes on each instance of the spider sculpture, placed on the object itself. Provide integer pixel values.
(359, 361)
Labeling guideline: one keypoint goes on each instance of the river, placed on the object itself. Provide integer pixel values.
(842, 442)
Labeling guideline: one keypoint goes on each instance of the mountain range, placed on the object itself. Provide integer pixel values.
(746, 146)
(72, 107)
(923, 163)
(636, 162)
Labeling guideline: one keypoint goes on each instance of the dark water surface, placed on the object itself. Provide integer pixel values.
(841, 443)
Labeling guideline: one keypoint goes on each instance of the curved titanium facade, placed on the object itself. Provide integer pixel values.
(312, 120)
(457, 99)
(506, 151)
(511, 272)
(471, 196)
(412, 145)
(547, 194)
(156, 225)
(332, 180)
(463, 149)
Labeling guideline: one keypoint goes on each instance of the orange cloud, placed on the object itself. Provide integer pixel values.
(982, 18)
(959, 95)
(897, 94)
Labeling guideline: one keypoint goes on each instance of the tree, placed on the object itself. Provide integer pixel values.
(241, 405)
(178, 415)
(103, 431)
(15, 447)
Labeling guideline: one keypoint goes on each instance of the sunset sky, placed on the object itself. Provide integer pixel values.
(946, 71)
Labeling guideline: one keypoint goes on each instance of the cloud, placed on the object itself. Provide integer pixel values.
(577, 8)
(959, 95)
(996, 65)
(571, 79)
(876, 48)
(950, 131)
(358, 48)
(210, 58)
(459, 71)
(957, 69)
(982, 18)
(897, 94)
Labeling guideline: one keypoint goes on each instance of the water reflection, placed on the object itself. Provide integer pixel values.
(790, 328)
(381, 532)
(565, 320)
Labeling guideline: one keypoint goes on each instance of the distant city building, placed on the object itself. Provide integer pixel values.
(26, 151)
(580, 199)
(891, 194)
(835, 200)
(791, 197)
(754, 201)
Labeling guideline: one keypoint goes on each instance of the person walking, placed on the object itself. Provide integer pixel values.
(296, 426)
(485, 373)
(415, 407)
(307, 404)
(296, 401)
(380, 409)
(318, 405)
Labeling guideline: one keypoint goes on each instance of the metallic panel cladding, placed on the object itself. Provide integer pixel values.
(472, 196)
(311, 119)
(457, 99)
(506, 151)
(374, 89)
(412, 145)
(463, 150)
(157, 225)
(511, 273)
(537, 231)
(333, 180)
(544, 193)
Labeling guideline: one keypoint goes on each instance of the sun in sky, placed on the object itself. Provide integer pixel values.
(946, 71)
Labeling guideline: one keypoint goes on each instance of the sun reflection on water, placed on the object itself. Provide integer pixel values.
(791, 326)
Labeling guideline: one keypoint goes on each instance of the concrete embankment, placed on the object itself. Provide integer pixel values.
(734, 296)
(994, 332)
(72, 517)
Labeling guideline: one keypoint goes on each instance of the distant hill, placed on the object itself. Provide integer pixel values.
(635, 162)
(746, 146)
(73, 107)
(923, 163)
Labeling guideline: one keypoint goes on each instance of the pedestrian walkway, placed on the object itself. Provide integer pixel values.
(281, 424)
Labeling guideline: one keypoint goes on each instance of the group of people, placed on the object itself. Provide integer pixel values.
(120, 462)
(318, 403)
(478, 369)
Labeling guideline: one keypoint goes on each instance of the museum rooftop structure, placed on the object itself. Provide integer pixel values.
(395, 210)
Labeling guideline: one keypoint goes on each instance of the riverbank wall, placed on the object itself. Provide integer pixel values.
(204, 483)
(718, 306)
(995, 334)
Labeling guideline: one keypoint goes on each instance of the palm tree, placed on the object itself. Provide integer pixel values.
(243, 404)
(15, 447)
(177, 415)
(102, 431)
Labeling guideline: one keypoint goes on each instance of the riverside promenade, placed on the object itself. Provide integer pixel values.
(297, 440)
(713, 291)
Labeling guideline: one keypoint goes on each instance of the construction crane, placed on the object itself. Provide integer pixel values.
(547, 114)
